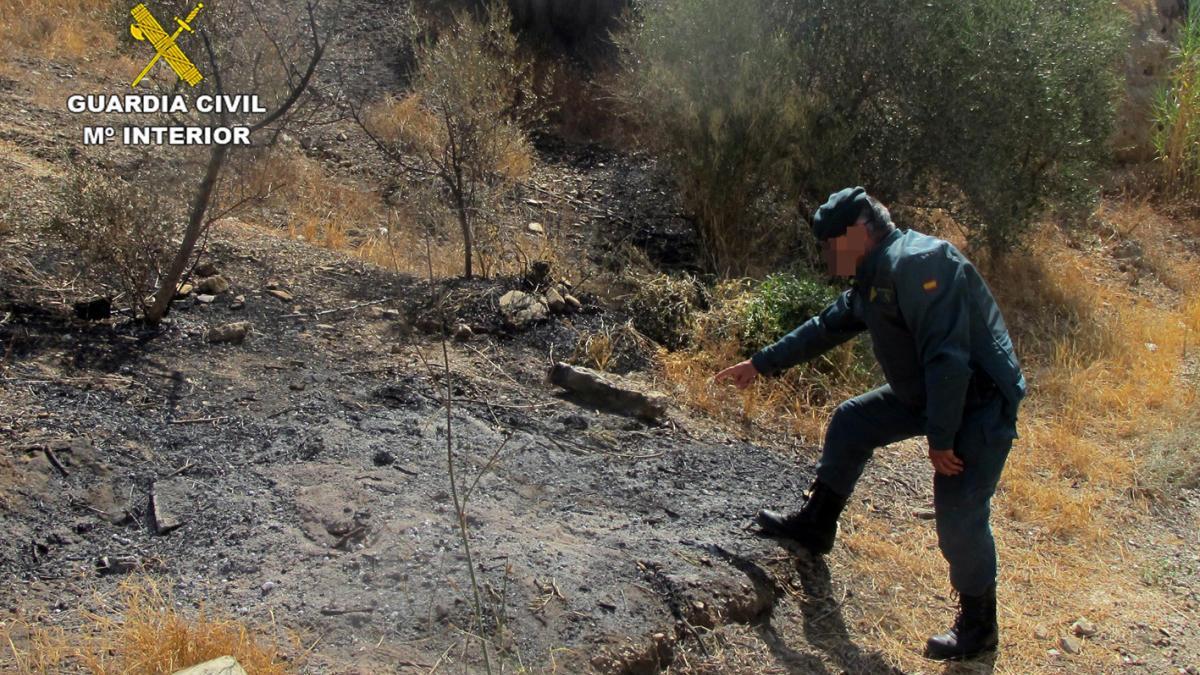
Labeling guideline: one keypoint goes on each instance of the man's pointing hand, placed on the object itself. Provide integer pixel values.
(741, 374)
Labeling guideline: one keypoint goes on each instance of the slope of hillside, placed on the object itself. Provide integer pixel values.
(296, 483)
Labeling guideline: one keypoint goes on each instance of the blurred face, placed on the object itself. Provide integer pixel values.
(842, 254)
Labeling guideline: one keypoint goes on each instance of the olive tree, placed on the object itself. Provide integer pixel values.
(996, 110)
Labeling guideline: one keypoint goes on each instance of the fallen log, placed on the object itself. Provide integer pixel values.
(591, 388)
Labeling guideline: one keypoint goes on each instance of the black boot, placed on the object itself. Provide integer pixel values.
(974, 631)
(814, 526)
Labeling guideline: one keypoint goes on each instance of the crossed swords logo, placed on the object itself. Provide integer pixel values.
(146, 27)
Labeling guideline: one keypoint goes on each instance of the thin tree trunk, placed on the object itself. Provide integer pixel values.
(170, 283)
(468, 240)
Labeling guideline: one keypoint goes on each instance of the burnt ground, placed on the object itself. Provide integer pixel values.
(308, 468)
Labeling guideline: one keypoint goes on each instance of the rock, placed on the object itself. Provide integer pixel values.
(923, 514)
(536, 228)
(117, 564)
(576, 422)
(1130, 249)
(573, 303)
(184, 291)
(1041, 633)
(521, 309)
(377, 313)
(214, 285)
(1083, 628)
(169, 501)
(96, 309)
(267, 587)
(226, 665)
(233, 333)
(239, 302)
(555, 301)
(280, 294)
(384, 458)
(463, 332)
(204, 299)
(594, 389)
(1071, 644)
(206, 269)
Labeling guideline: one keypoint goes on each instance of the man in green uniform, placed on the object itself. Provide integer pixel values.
(951, 376)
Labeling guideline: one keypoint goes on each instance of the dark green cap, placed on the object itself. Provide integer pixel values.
(840, 212)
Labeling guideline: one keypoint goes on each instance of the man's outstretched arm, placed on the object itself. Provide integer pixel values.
(836, 324)
(833, 326)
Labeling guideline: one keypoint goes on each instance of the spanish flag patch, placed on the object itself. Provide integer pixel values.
(930, 286)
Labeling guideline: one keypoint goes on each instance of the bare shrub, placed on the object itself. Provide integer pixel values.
(124, 233)
(711, 87)
(464, 123)
(663, 308)
(615, 348)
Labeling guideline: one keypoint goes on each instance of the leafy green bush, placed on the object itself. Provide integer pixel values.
(994, 109)
(778, 305)
(1177, 111)
(784, 301)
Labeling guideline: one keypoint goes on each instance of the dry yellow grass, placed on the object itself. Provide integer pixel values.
(329, 211)
(1103, 356)
(57, 28)
(791, 403)
(141, 631)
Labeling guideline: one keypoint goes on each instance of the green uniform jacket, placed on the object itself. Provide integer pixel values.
(935, 329)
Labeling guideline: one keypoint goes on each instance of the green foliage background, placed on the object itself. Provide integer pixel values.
(996, 110)
(1177, 111)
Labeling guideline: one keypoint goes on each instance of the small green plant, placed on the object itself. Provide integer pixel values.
(781, 303)
(1177, 111)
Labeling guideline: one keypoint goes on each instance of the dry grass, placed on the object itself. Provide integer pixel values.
(798, 402)
(408, 122)
(614, 348)
(1104, 362)
(341, 214)
(1103, 355)
(141, 630)
(321, 208)
(57, 28)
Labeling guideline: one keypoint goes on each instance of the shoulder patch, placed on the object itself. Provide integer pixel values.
(930, 285)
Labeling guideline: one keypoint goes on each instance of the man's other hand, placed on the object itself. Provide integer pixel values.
(945, 462)
(741, 375)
